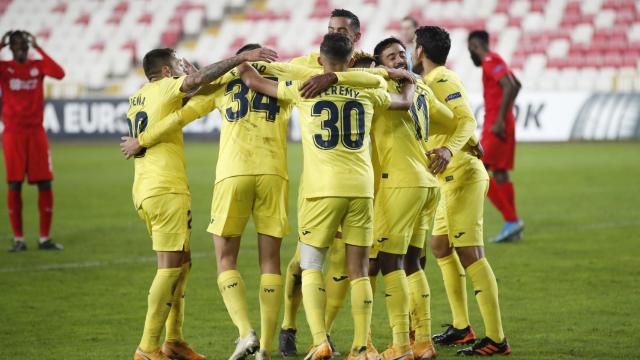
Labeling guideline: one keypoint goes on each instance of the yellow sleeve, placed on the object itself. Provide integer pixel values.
(381, 99)
(171, 87)
(438, 112)
(290, 71)
(375, 71)
(198, 106)
(361, 79)
(453, 95)
(288, 91)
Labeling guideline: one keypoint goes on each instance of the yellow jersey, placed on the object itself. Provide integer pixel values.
(253, 136)
(464, 168)
(335, 129)
(400, 137)
(161, 169)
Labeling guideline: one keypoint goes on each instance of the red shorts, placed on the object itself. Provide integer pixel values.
(498, 153)
(26, 151)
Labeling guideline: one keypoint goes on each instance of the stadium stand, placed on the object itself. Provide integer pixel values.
(553, 45)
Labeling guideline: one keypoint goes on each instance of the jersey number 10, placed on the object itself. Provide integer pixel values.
(137, 127)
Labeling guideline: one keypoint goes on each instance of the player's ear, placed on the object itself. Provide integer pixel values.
(320, 61)
(357, 37)
(166, 71)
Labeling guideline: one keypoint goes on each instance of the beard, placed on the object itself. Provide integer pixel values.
(476, 59)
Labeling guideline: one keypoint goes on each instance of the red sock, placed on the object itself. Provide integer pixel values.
(45, 204)
(14, 203)
(496, 196)
(508, 195)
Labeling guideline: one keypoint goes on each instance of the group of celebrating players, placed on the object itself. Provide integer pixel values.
(388, 158)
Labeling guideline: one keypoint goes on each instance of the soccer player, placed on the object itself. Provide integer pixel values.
(251, 180)
(337, 186)
(457, 241)
(498, 131)
(344, 22)
(24, 141)
(405, 201)
(161, 193)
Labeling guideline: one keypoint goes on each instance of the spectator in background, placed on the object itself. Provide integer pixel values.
(408, 29)
(24, 141)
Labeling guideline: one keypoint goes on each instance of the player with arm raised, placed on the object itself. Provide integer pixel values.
(498, 131)
(24, 140)
(161, 194)
(251, 181)
(337, 185)
(406, 198)
(457, 241)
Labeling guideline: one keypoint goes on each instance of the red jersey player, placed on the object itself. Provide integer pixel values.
(498, 132)
(24, 141)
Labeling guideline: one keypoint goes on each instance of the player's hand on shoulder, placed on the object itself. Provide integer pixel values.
(439, 159)
(315, 85)
(188, 67)
(260, 54)
(129, 146)
(401, 74)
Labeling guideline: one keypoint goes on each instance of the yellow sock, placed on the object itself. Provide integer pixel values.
(176, 315)
(361, 307)
(420, 305)
(314, 298)
(234, 295)
(270, 295)
(396, 295)
(159, 305)
(486, 289)
(455, 285)
(336, 283)
(292, 291)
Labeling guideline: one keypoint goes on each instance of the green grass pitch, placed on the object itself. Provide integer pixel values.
(569, 290)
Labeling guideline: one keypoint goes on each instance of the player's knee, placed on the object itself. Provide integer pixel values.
(373, 267)
(15, 185)
(44, 185)
(469, 255)
(311, 257)
(390, 262)
(440, 246)
(412, 261)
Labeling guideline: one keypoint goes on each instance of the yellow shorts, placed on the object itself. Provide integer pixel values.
(403, 217)
(235, 199)
(460, 214)
(320, 218)
(168, 220)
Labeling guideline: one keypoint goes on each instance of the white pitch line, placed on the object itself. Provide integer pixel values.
(89, 264)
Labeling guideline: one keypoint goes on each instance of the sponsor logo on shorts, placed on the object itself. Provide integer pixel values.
(306, 232)
(385, 175)
(381, 240)
(459, 235)
(449, 178)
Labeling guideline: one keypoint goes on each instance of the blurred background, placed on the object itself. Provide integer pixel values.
(589, 51)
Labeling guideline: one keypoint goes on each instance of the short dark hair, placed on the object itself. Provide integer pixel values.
(14, 35)
(412, 19)
(248, 47)
(362, 59)
(435, 42)
(481, 35)
(155, 59)
(354, 23)
(336, 46)
(382, 45)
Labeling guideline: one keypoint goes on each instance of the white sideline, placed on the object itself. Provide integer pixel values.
(90, 264)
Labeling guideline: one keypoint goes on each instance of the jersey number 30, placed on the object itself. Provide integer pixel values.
(137, 127)
(339, 125)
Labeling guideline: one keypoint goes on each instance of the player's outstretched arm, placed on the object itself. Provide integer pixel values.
(49, 66)
(404, 100)
(315, 85)
(211, 72)
(256, 82)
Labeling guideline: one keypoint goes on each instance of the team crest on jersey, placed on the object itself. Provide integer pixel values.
(34, 72)
(498, 68)
(11, 70)
(288, 83)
